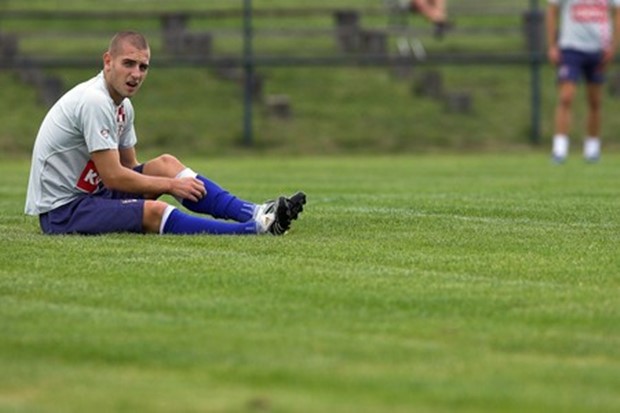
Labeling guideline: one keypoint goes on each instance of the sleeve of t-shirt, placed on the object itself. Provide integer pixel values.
(96, 120)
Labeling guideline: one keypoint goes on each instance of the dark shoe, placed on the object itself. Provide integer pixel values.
(282, 220)
(296, 204)
(293, 206)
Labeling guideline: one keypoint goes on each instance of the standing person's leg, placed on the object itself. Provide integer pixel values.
(594, 72)
(594, 96)
(569, 72)
(592, 142)
(563, 113)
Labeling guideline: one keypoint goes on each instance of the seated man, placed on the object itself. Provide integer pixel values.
(85, 177)
(434, 11)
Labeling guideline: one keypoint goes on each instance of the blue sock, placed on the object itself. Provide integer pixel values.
(219, 203)
(182, 223)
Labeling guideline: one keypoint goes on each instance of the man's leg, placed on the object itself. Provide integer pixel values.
(566, 95)
(106, 213)
(432, 10)
(435, 12)
(162, 218)
(218, 202)
(592, 143)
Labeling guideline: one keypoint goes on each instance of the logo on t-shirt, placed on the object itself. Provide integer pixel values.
(121, 120)
(89, 179)
(590, 12)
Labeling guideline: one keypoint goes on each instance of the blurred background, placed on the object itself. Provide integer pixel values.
(294, 77)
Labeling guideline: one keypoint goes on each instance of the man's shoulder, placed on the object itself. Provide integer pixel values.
(89, 92)
(92, 90)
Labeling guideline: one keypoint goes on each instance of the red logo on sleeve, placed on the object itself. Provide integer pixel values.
(89, 179)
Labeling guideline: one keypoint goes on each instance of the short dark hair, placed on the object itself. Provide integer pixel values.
(136, 39)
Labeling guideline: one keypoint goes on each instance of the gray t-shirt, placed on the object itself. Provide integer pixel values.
(83, 121)
(585, 24)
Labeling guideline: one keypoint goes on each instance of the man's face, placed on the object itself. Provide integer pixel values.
(125, 71)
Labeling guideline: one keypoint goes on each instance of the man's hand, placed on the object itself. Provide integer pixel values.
(554, 54)
(191, 189)
(608, 56)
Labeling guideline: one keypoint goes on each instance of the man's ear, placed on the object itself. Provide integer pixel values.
(107, 59)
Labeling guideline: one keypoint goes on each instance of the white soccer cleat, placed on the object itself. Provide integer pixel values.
(275, 216)
(265, 216)
(272, 217)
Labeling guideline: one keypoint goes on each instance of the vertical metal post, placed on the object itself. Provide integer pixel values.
(536, 53)
(248, 66)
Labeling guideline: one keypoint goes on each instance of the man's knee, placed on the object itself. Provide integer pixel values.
(153, 215)
(164, 165)
(566, 98)
(566, 102)
(594, 97)
(594, 105)
(167, 159)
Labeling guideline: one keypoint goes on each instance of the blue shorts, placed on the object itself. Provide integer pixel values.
(574, 64)
(103, 212)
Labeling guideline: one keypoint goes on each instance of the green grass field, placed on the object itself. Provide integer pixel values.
(437, 283)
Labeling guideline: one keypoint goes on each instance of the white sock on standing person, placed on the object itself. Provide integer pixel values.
(592, 148)
(560, 147)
